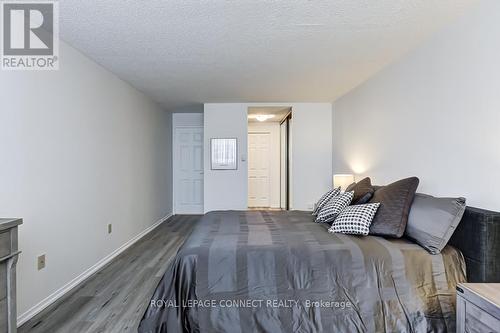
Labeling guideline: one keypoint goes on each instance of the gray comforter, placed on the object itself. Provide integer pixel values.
(281, 272)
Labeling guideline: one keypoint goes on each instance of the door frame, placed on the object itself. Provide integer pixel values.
(175, 160)
(286, 168)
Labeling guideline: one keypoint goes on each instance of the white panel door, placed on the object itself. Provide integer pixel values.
(258, 169)
(188, 164)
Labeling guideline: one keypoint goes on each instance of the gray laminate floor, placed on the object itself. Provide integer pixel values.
(114, 299)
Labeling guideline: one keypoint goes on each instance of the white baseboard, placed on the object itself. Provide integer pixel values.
(36, 309)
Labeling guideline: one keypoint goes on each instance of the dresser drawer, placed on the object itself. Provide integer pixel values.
(477, 320)
(3, 280)
(3, 316)
(5, 244)
(9, 253)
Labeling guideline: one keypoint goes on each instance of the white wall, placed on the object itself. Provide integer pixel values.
(80, 149)
(311, 169)
(187, 119)
(273, 128)
(311, 153)
(225, 189)
(434, 114)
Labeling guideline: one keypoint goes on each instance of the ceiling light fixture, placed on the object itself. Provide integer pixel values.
(261, 117)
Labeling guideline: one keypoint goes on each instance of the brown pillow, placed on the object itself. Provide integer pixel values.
(363, 191)
(395, 203)
(350, 187)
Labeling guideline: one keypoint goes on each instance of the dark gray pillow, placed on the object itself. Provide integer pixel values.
(432, 221)
(350, 187)
(363, 191)
(395, 202)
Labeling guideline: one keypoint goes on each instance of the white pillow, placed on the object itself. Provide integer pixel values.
(355, 220)
(333, 208)
(324, 199)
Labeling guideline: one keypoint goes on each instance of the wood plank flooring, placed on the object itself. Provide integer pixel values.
(114, 299)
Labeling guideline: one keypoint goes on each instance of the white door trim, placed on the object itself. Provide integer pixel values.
(174, 160)
(273, 129)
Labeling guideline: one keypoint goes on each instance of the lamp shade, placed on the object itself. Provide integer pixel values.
(343, 180)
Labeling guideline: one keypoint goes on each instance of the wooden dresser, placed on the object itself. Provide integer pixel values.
(8, 261)
(478, 307)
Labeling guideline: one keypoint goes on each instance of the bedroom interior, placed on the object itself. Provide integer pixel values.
(250, 166)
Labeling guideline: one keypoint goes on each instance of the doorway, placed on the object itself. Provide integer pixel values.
(268, 157)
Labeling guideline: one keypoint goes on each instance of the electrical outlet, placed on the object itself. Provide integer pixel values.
(110, 228)
(41, 262)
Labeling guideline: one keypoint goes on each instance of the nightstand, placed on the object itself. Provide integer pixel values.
(8, 261)
(478, 307)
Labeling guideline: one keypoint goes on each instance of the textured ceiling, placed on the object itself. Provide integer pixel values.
(185, 52)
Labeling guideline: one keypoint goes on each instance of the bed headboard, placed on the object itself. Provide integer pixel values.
(478, 238)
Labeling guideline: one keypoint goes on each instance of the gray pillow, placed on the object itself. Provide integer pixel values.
(432, 221)
(395, 203)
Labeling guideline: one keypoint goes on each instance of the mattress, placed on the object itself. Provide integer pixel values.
(259, 271)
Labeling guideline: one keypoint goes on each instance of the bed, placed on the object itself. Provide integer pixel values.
(259, 271)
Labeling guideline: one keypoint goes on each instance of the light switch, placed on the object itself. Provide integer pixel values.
(41, 262)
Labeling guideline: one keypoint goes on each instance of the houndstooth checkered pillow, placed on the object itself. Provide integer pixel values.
(324, 199)
(355, 219)
(333, 208)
